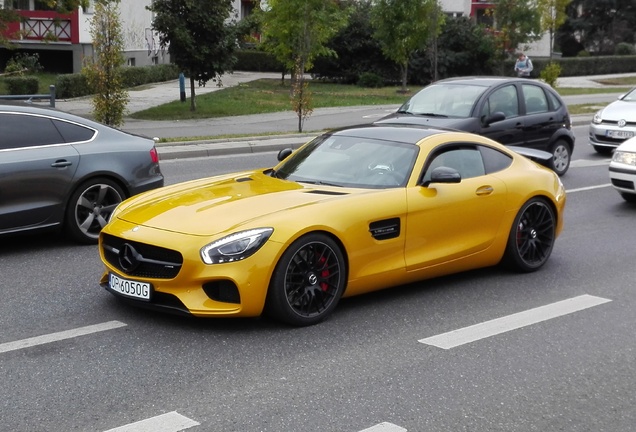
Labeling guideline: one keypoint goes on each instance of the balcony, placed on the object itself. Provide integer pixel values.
(44, 26)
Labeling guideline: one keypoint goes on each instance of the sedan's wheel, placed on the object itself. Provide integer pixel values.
(532, 237)
(560, 157)
(308, 281)
(603, 150)
(90, 207)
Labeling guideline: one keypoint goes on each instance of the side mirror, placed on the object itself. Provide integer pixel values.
(445, 175)
(284, 154)
(494, 117)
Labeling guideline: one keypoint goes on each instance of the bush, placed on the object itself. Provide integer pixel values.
(22, 85)
(370, 79)
(22, 63)
(550, 73)
(71, 85)
(256, 61)
(625, 48)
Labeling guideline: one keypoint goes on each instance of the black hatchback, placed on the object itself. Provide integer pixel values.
(512, 111)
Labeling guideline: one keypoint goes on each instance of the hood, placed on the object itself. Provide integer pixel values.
(619, 109)
(218, 204)
(469, 124)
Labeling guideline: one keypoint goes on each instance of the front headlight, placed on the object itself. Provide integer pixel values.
(627, 158)
(597, 117)
(235, 247)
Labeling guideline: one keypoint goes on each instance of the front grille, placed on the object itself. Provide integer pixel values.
(149, 261)
(624, 184)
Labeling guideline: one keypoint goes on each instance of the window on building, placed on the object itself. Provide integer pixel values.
(130, 61)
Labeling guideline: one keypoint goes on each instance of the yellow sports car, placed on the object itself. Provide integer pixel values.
(352, 211)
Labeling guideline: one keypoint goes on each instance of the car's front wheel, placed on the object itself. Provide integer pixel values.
(308, 281)
(531, 237)
(561, 155)
(90, 207)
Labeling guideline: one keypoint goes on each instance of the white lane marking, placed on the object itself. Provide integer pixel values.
(496, 326)
(384, 427)
(584, 163)
(588, 188)
(53, 337)
(169, 422)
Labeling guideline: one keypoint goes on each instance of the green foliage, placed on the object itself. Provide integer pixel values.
(550, 73)
(370, 80)
(104, 71)
(300, 96)
(71, 86)
(583, 53)
(22, 85)
(552, 14)
(625, 48)
(518, 23)
(24, 63)
(257, 60)
(404, 26)
(200, 41)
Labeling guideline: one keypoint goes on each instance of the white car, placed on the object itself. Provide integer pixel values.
(622, 170)
(614, 124)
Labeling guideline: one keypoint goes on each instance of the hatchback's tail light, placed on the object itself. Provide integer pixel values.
(154, 155)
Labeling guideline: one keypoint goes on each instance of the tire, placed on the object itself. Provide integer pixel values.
(531, 237)
(90, 207)
(630, 198)
(561, 155)
(603, 150)
(308, 281)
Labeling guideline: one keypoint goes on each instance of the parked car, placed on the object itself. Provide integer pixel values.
(352, 211)
(511, 111)
(615, 123)
(61, 171)
(622, 170)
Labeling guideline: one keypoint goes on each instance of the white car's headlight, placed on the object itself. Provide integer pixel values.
(597, 117)
(627, 158)
(235, 247)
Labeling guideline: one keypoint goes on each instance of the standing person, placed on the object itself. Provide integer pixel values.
(523, 66)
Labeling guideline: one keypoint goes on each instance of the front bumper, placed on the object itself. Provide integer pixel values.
(623, 177)
(609, 134)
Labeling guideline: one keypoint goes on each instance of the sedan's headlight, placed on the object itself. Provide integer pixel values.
(597, 117)
(627, 158)
(235, 247)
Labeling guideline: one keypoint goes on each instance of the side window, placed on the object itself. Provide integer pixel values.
(73, 132)
(503, 100)
(535, 99)
(467, 160)
(24, 130)
(494, 160)
(556, 103)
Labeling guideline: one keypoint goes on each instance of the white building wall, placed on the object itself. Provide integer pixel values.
(456, 7)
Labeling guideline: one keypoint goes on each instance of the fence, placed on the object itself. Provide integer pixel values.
(30, 98)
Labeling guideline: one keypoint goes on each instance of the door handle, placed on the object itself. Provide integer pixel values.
(61, 164)
(484, 190)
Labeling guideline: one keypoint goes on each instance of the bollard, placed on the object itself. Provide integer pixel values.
(52, 95)
(182, 87)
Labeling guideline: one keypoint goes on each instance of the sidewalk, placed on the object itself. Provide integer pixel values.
(160, 93)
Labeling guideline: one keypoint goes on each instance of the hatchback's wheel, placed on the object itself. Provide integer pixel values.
(560, 157)
(90, 207)
(308, 281)
(603, 150)
(531, 237)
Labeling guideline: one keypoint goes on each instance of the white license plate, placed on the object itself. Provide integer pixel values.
(619, 134)
(129, 288)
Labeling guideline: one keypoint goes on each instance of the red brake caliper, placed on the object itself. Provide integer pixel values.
(324, 274)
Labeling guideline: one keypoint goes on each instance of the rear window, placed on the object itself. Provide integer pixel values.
(72, 132)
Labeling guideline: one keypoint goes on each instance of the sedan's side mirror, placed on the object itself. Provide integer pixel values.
(445, 174)
(494, 117)
(284, 154)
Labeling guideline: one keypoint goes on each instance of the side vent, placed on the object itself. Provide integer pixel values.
(385, 229)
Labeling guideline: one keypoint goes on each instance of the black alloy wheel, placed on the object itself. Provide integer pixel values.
(531, 237)
(90, 207)
(308, 281)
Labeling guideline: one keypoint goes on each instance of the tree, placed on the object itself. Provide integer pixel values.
(199, 37)
(552, 13)
(9, 15)
(104, 70)
(296, 32)
(404, 26)
(517, 22)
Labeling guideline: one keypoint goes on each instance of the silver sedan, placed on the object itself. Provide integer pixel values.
(614, 124)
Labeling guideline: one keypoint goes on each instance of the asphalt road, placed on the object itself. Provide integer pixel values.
(364, 369)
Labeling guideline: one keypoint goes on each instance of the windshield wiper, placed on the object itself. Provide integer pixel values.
(430, 115)
(318, 182)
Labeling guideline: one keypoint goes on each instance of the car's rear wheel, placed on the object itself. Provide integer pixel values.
(561, 155)
(90, 207)
(531, 237)
(603, 150)
(308, 281)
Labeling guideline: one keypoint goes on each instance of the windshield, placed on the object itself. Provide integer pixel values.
(447, 100)
(350, 162)
(631, 96)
